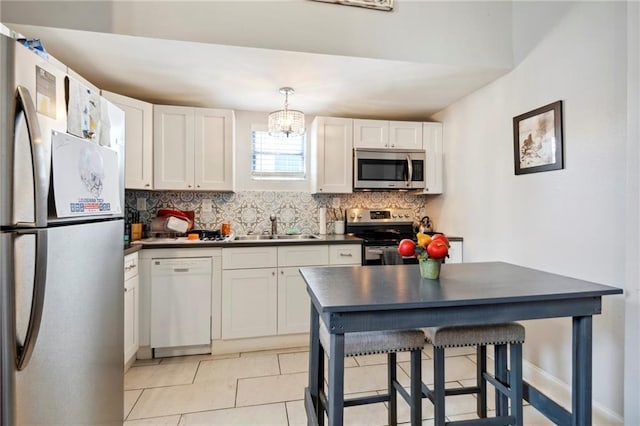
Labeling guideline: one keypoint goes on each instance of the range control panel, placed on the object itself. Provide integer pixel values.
(371, 216)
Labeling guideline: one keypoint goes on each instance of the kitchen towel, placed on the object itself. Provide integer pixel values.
(322, 219)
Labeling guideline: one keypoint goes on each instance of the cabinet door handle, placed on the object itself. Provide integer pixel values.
(281, 272)
(346, 254)
(147, 185)
(273, 273)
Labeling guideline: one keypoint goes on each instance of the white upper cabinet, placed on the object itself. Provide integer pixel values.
(332, 155)
(370, 134)
(214, 136)
(193, 148)
(138, 140)
(387, 134)
(433, 145)
(173, 147)
(405, 134)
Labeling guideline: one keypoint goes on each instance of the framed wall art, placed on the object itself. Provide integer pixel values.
(537, 140)
(370, 4)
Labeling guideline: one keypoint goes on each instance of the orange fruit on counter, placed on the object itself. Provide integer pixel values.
(423, 239)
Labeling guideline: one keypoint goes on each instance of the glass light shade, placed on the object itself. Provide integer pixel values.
(286, 121)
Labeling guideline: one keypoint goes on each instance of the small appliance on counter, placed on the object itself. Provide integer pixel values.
(172, 221)
(425, 225)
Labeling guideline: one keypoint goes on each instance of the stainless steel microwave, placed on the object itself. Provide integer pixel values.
(388, 169)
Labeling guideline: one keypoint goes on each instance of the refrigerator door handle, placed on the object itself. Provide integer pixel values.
(25, 350)
(39, 157)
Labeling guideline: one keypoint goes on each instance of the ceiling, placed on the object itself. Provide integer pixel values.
(211, 75)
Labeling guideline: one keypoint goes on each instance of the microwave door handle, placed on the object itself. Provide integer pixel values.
(39, 155)
(410, 170)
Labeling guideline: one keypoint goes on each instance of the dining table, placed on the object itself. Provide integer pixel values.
(395, 297)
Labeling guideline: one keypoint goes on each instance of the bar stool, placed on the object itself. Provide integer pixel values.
(507, 382)
(379, 342)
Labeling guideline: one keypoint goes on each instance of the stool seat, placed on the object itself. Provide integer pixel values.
(506, 381)
(377, 342)
(473, 335)
(368, 343)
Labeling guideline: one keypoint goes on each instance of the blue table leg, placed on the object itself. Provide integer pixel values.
(582, 371)
(500, 371)
(314, 365)
(515, 382)
(438, 386)
(336, 380)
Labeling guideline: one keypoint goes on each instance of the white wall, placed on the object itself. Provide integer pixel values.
(570, 221)
(632, 305)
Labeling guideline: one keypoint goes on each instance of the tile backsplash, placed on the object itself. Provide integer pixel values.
(249, 211)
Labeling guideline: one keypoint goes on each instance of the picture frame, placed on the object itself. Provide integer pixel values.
(537, 140)
(386, 5)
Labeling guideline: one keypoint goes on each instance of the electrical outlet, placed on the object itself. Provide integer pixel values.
(335, 202)
(141, 204)
(206, 206)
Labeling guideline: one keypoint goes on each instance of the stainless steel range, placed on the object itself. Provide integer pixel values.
(381, 230)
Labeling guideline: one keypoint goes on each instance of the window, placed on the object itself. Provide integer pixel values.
(277, 157)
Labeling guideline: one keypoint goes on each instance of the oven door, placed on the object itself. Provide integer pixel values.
(386, 169)
(385, 255)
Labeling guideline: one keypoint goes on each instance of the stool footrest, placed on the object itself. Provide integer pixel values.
(428, 393)
(462, 391)
(362, 400)
(488, 421)
(497, 384)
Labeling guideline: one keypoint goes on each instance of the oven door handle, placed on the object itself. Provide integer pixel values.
(410, 170)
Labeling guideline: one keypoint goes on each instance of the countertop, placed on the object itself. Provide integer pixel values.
(131, 248)
(183, 242)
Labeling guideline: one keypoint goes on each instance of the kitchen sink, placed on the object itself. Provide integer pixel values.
(296, 237)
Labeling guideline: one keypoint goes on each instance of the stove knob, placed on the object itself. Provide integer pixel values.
(353, 215)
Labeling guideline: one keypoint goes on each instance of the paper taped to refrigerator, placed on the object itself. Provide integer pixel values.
(85, 177)
(83, 111)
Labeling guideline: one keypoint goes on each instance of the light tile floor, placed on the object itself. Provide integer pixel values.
(266, 388)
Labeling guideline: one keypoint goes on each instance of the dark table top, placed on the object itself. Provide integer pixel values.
(366, 288)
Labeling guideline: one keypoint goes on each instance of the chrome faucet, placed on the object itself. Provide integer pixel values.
(274, 225)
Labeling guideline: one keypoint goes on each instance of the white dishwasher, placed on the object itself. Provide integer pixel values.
(181, 302)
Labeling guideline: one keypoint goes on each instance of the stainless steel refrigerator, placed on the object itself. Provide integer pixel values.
(61, 274)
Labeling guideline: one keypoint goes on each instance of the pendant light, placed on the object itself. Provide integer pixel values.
(286, 120)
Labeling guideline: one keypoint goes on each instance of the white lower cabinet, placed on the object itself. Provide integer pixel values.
(293, 299)
(249, 302)
(347, 254)
(455, 252)
(293, 302)
(263, 293)
(249, 292)
(131, 311)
